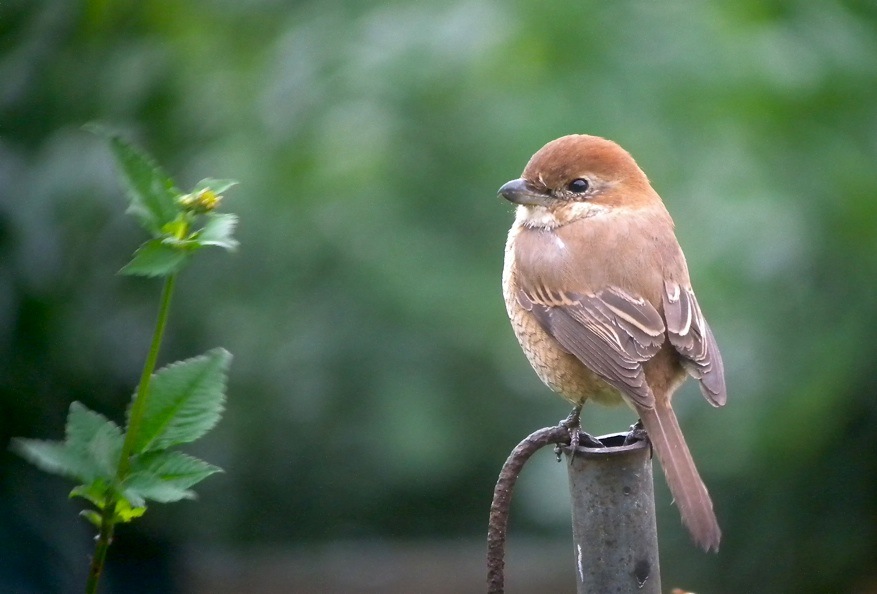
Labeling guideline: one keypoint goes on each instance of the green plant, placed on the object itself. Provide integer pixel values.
(118, 470)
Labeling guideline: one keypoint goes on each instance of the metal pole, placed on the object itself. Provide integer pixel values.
(613, 518)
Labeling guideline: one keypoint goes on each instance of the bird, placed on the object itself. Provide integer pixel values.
(598, 293)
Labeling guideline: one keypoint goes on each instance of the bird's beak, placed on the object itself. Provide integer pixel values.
(520, 191)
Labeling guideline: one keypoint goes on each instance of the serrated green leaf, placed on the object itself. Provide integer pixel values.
(176, 467)
(184, 245)
(147, 488)
(97, 438)
(132, 499)
(55, 457)
(151, 192)
(218, 231)
(95, 493)
(186, 400)
(156, 258)
(175, 229)
(217, 185)
(125, 512)
(166, 476)
(89, 452)
(92, 516)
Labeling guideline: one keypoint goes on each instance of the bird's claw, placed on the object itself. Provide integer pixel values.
(636, 433)
(577, 437)
(573, 425)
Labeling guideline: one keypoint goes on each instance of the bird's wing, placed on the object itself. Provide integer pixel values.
(692, 338)
(611, 332)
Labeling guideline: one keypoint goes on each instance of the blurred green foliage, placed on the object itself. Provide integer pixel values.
(377, 386)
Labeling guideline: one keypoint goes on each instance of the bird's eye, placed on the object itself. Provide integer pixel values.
(578, 185)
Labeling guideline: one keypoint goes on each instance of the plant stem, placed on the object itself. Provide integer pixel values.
(138, 407)
(104, 538)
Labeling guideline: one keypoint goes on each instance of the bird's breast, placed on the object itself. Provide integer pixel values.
(556, 367)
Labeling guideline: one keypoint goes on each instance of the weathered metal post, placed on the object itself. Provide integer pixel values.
(613, 517)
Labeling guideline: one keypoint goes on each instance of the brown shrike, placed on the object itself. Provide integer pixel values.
(597, 291)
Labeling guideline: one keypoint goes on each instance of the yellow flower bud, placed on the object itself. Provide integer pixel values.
(201, 201)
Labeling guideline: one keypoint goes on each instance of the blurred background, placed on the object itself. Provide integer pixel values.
(377, 387)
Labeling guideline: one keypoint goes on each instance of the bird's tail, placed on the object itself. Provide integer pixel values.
(685, 483)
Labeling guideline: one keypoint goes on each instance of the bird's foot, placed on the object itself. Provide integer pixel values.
(573, 419)
(577, 437)
(636, 433)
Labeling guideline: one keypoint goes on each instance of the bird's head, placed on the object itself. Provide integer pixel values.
(577, 176)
